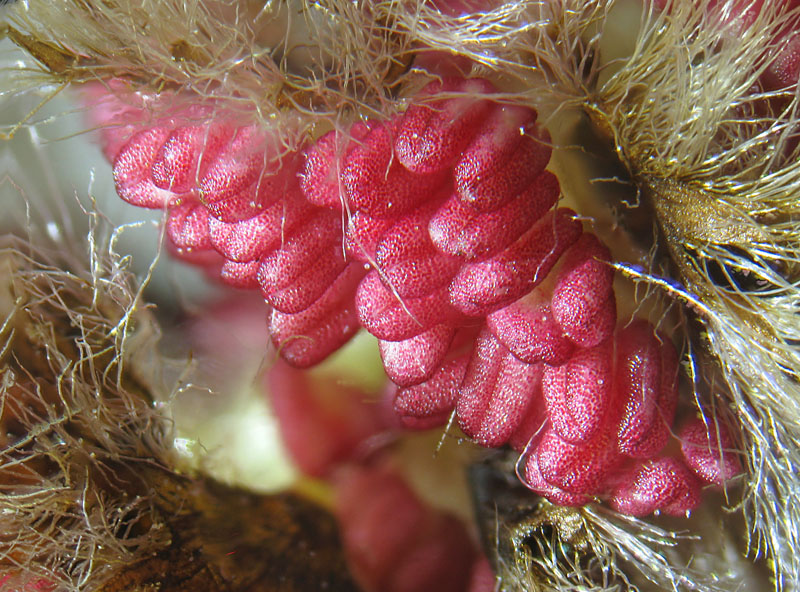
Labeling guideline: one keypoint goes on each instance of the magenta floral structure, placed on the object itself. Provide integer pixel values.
(438, 231)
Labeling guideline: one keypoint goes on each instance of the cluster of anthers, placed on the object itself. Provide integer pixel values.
(437, 231)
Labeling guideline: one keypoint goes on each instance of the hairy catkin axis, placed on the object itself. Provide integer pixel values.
(91, 498)
(451, 229)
